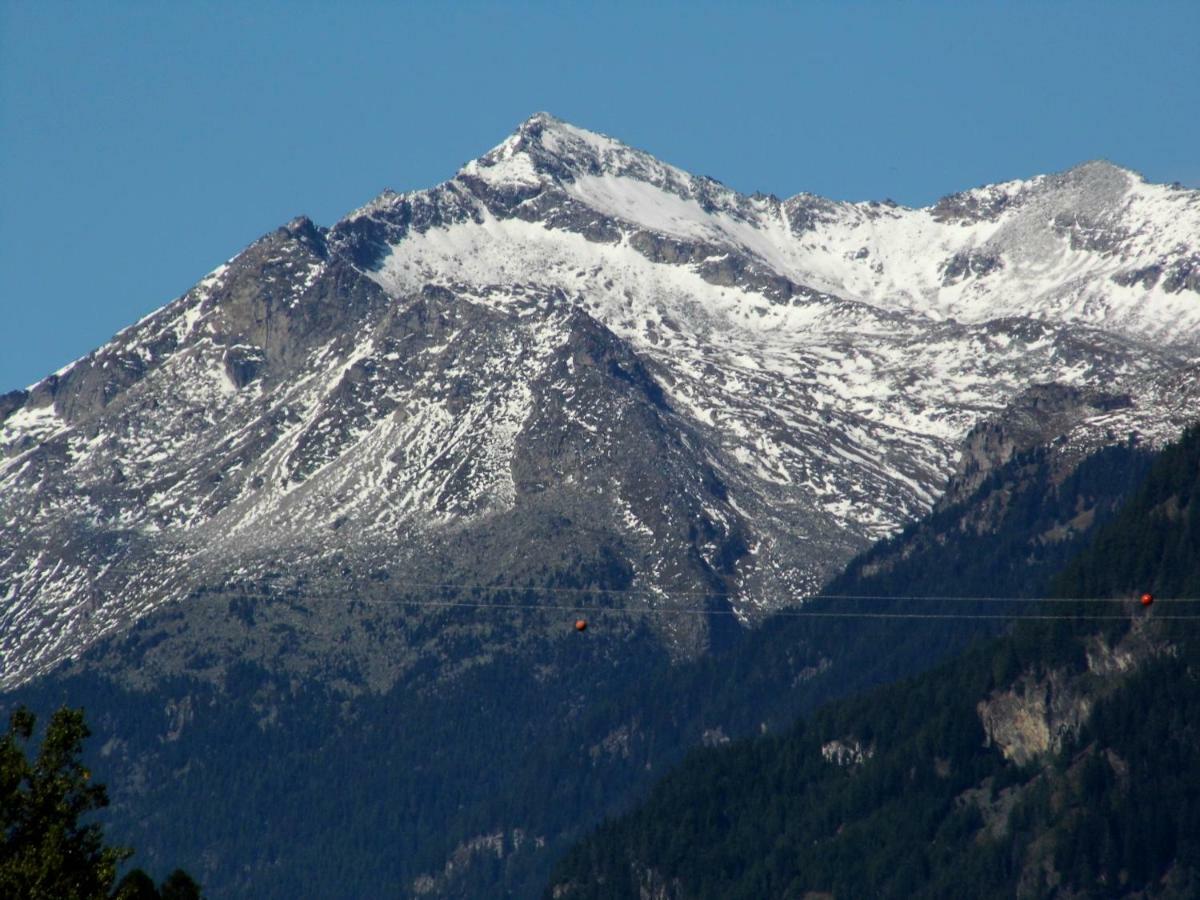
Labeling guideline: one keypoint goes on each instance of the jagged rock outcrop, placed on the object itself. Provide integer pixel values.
(1044, 414)
(1038, 714)
(846, 752)
(1035, 716)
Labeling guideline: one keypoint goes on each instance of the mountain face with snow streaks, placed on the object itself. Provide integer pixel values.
(573, 364)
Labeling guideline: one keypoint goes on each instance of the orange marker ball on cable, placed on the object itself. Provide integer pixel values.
(581, 625)
(1147, 599)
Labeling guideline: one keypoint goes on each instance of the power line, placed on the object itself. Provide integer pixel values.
(792, 612)
(229, 593)
(649, 591)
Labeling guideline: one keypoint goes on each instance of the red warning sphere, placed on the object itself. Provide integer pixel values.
(581, 625)
(1147, 599)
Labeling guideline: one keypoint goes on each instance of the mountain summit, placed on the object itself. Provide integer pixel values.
(573, 366)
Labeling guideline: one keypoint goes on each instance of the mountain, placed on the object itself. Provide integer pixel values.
(471, 777)
(1057, 761)
(309, 541)
(573, 367)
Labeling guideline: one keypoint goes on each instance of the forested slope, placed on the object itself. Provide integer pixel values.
(1062, 759)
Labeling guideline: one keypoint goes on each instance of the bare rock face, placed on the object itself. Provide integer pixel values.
(969, 264)
(651, 885)
(1034, 717)
(497, 844)
(1043, 414)
(1037, 715)
(846, 752)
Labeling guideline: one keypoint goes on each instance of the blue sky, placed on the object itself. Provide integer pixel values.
(141, 144)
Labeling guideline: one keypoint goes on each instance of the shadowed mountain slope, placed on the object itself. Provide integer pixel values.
(1057, 761)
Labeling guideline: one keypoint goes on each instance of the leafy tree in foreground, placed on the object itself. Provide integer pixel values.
(46, 852)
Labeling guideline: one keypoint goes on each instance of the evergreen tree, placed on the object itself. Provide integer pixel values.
(137, 885)
(179, 886)
(47, 852)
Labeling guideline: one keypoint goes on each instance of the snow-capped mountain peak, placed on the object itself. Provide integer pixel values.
(573, 362)
(550, 150)
(971, 256)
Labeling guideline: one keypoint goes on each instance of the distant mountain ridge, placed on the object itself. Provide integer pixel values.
(575, 364)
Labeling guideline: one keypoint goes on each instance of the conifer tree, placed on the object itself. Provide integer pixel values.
(46, 851)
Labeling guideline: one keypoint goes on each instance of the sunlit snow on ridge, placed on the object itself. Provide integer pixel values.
(833, 413)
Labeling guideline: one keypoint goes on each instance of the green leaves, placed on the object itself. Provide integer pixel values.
(47, 851)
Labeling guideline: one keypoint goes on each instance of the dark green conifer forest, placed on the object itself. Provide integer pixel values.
(938, 810)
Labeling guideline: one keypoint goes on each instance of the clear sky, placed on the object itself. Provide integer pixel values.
(141, 144)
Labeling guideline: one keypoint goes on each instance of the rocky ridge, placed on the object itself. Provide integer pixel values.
(575, 366)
